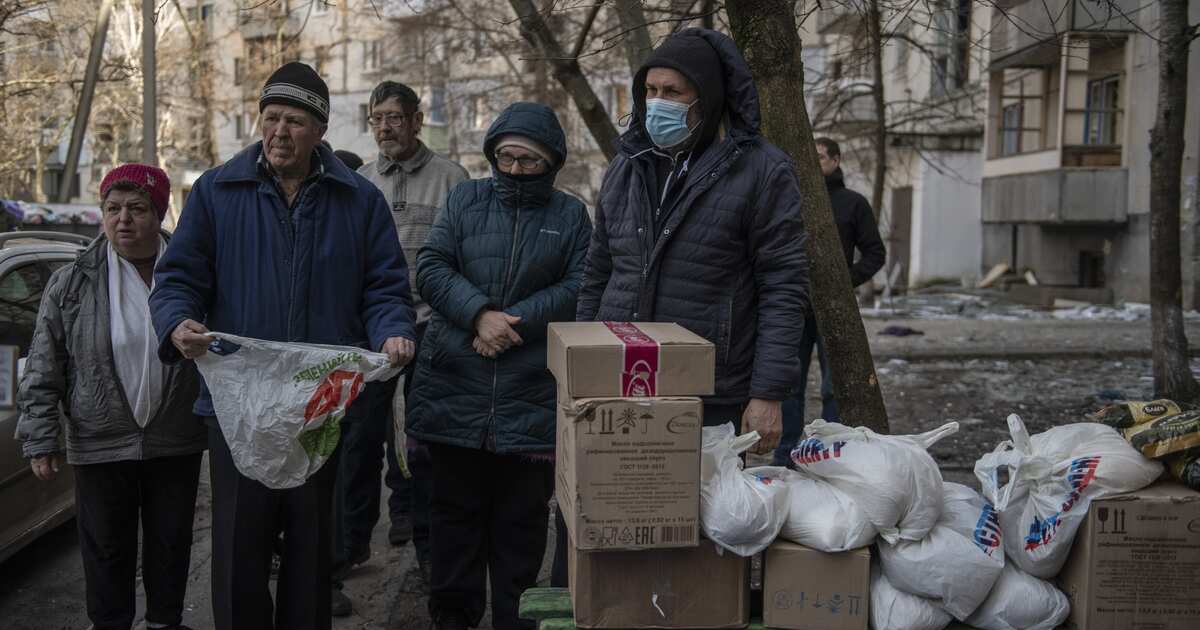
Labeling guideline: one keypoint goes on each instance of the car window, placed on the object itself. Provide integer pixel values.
(20, 294)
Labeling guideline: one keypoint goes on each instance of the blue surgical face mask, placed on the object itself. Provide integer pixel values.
(666, 122)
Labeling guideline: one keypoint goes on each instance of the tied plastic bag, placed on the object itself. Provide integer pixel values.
(822, 517)
(1020, 601)
(740, 510)
(891, 477)
(280, 404)
(893, 609)
(959, 562)
(1052, 479)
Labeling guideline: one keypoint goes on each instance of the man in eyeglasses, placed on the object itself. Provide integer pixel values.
(415, 182)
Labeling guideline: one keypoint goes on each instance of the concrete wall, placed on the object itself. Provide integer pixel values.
(946, 229)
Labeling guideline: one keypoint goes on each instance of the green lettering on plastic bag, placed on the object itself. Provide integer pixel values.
(322, 440)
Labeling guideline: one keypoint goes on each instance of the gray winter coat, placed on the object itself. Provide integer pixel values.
(71, 364)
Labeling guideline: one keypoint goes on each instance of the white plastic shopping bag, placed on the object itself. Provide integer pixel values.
(893, 609)
(824, 518)
(1020, 601)
(740, 510)
(280, 404)
(1052, 479)
(891, 477)
(960, 560)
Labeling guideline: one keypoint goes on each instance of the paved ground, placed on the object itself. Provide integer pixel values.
(1049, 372)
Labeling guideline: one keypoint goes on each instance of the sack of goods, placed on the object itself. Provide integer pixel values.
(283, 423)
(1052, 479)
(824, 518)
(958, 563)
(1020, 601)
(890, 477)
(740, 510)
(893, 609)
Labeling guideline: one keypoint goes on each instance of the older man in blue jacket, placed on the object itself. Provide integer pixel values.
(285, 243)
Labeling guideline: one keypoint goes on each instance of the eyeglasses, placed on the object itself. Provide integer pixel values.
(391, 120)
(506, 160)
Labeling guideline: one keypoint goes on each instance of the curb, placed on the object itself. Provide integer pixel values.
(1016, 354)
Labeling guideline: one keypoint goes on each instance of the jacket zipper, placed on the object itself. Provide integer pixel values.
(512, 257)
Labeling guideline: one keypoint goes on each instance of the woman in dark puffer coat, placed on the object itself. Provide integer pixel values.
(503, 260)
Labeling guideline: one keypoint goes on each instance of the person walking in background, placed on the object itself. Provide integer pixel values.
(415, 182)
(504, 260)
(857, 230)
(282, 243)
(132, 438)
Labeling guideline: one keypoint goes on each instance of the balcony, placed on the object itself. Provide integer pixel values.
(1064, 196)
(274, 26)
(1026, 33)
(841, 18)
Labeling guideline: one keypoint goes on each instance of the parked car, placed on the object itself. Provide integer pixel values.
(28, 507)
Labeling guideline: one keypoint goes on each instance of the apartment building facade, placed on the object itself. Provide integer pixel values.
(1072, 96)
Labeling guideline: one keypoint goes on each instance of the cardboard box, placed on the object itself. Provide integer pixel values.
(595, 359)
(1135, 563)
(628, 471)
(806, 589)
(661, 588)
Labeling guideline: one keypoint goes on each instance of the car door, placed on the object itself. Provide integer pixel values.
(28, 507)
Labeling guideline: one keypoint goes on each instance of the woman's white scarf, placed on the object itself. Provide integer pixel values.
(134, 344)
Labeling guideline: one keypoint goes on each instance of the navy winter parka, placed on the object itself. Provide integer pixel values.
(329, 271)
(503, 244)
(728, 261)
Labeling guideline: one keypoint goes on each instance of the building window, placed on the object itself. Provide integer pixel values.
(364, 112)
(320, 7)
(1100, 118)
(239, 70)
(372, 54)
(202, 13)
(1010, 129)
(618, 101)
(239, 124)
(437, 105)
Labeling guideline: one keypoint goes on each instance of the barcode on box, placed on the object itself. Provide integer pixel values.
(671, 534)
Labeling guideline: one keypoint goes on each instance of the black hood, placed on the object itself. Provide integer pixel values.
(536, 121)
(715, 66)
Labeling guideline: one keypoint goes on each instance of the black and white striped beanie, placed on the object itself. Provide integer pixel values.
(298, 85)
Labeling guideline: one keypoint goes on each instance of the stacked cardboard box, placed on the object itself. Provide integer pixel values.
(806, 589)
(628, 479)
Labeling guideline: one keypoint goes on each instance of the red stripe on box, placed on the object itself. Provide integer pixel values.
(639, 372)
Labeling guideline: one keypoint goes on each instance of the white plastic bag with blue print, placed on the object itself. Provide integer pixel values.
(958, 563)
(824, 518)
(740, 510)
(892, 478)
(280, 404)
(1052, 478)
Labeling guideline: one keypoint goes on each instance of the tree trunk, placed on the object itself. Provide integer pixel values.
(766, 33)
(1172, 372)
(637, 37)
(874, 33)
(568, 74)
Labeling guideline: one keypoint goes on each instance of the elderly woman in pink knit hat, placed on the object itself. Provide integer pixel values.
(131, 439)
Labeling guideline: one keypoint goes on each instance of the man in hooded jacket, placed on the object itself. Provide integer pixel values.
(698, 222)
(503, 260)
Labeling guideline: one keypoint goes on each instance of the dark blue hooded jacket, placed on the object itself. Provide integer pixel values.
(504, 244)
(726, 260)
(329, 271)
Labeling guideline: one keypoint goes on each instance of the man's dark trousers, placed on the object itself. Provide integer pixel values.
(358, 485)
(247, 518)
(489, 519)
(793, 408)
(110, 499)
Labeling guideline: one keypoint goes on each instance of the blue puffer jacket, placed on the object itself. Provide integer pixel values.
(515, 246)
(240, 264)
